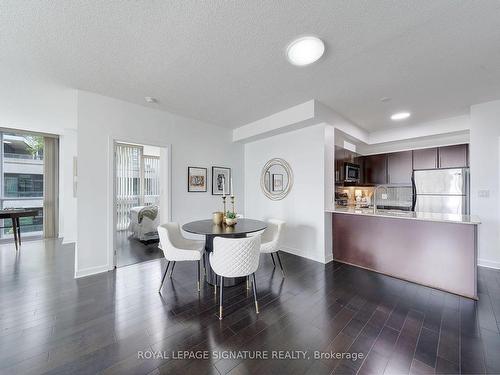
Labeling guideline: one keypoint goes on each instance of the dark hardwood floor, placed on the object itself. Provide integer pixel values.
(51, 323)
(132, 251)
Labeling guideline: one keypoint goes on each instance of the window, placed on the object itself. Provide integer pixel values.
(23, 185)
(21, 171)
(137, 180)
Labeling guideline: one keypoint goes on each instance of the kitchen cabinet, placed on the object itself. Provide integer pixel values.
(343, 156)
(426, 158)
(339, 163)
(399, 167)
(375, 169)
(360, 160)
(453, 156)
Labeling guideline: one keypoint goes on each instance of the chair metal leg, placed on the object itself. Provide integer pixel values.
(172, 269)
(204, 265)
(255, 294)
(221, 286)
(281, 265)
(272, 257)
(248, 282)
(199, 279)
(163, 278)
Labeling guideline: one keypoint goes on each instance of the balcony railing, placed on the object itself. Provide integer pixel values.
(9, 155)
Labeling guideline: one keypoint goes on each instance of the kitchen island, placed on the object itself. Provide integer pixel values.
(436, 250)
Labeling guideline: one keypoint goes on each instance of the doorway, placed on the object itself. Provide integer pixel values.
(137, 189)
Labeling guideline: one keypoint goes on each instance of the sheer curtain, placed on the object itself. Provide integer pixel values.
(128, 181)
(137, 181)
(50, 187)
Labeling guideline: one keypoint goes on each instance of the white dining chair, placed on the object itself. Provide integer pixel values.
(235, 257)
(271, 238)
(176, 248)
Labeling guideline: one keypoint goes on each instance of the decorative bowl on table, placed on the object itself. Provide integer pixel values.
(231, 222)
(231, 219)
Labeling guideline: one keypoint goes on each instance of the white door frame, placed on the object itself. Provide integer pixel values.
(165, 187)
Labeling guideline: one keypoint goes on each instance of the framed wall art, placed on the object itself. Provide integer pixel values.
(221, 177)
(197, 180)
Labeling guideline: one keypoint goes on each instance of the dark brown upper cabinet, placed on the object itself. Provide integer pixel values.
(426, 158)
(399, 167)
(375, 169)
(453, 156)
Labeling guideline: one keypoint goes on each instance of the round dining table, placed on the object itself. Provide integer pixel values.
(210, 230)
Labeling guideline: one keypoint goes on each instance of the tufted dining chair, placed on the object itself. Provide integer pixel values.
(176, 248)
(271, 238)
(235, 257)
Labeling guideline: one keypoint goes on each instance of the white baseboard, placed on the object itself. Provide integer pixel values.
(91, 271)
(488, 263)
(299, 253)
(67, 241)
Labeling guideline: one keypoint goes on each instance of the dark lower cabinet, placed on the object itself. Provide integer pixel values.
(455, 156)
(375, 169)
(399, 167)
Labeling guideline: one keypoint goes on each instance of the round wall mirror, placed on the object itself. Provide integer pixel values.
(276, 179)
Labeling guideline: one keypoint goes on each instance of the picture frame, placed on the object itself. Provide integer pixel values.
(277, 182)
(217, 174)
(197, 180)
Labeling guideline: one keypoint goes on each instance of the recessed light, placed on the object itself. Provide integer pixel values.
(385, 99)
(400, 116)
(304, 51)
(150, 99)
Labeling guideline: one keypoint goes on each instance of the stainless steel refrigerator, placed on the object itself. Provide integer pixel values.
(441, 191)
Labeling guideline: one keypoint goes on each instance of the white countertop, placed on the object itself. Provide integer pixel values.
(409, 215)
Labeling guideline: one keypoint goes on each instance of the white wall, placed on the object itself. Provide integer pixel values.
(67, 190)
(485, 176)
(31, 105)
(303, 208)
(193, 143)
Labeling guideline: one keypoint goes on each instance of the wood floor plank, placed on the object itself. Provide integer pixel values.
(51, 323)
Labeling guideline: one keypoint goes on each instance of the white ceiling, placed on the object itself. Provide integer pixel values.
(223, 61)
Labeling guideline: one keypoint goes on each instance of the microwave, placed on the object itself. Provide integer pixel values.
(352, 172)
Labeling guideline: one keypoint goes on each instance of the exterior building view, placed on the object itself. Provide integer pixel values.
(22, 180)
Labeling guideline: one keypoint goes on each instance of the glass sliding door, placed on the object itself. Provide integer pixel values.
(21, 180)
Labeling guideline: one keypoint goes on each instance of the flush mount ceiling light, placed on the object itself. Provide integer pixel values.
(150, 99)
(400, 116)
(304, 51)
